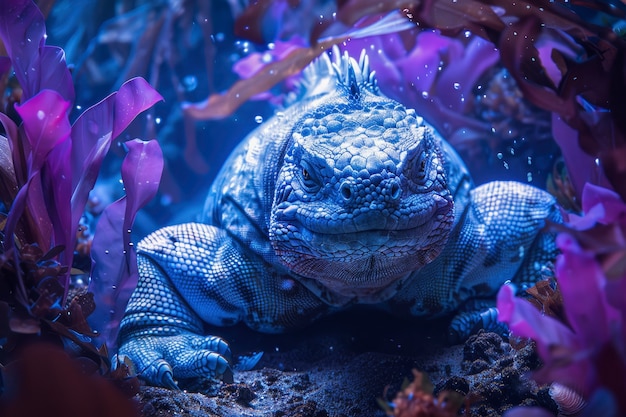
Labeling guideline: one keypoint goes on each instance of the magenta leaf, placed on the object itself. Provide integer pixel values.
(613, 208)
(561, 350)
(581, 278)
(114, 273)
(525, 320)
(45, 125)
(94, 131)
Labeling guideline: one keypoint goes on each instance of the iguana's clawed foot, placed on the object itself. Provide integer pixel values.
(162, 360)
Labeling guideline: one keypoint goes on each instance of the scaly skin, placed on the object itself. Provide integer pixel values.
(347, 197)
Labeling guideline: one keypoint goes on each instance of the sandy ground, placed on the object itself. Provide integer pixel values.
(341, 365)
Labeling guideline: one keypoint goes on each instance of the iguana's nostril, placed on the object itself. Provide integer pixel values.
(346, 191)
(394, 190)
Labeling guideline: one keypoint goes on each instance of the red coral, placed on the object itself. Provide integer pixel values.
(417, 400)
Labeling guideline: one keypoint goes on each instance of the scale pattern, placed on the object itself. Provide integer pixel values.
(346, 197)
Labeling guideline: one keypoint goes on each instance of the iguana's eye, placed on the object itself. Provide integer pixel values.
(421, 167)
(307, 179)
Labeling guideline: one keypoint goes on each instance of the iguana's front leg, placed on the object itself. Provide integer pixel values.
(195, 273)
(498, 238)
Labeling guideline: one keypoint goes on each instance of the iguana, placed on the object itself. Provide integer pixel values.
(346, 197)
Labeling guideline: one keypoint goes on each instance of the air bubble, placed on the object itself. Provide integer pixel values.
(425, 94)
(456, 86)
(41, 114)
(499, 155)
(190, 82)
(529, 177)
(258, 119)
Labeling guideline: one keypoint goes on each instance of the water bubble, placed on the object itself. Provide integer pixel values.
(190, 82)
(266, 58)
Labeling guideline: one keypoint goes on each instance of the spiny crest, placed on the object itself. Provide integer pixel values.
(324, 75)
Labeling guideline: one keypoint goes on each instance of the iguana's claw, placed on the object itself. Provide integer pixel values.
(162, 360)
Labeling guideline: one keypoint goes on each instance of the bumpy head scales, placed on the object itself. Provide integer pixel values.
(361, 198)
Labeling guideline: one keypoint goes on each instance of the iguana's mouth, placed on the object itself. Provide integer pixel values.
(373, 240)
(398, 223)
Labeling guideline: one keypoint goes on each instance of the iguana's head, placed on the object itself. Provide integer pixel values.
(361, 198)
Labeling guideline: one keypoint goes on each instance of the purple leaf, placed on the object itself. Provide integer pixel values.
(455, 85)
(57, 184)
(37, 67)
(141, 173)
(525, 320)
(581, 278)
(421, 65)
(45, 125)
(54, 74)
(562, 352)
(22, 31)
(613, 208)
(96, 128)
(114, 274)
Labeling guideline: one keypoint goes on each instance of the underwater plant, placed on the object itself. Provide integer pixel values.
(49, 167)
(417, 399)
(570, 67)
(583, 348)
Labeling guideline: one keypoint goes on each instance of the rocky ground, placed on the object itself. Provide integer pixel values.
(343, 364)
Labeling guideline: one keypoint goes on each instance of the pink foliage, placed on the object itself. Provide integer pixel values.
(592, 280)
